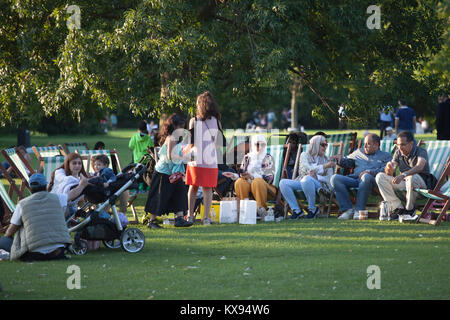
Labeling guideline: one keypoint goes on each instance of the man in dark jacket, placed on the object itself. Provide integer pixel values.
(443, 117)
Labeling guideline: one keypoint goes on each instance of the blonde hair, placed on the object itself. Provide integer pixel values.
(314, 145)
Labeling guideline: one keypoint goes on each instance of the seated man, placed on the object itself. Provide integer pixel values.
(415, 173)
(368, 161)
(38, 223)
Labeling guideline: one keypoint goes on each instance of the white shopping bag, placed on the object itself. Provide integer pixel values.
(228, 210)
(247, 213)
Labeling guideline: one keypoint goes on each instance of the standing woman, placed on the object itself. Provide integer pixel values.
(69, 174)
(203, 170)
(165, 196)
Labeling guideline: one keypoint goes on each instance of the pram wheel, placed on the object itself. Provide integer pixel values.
(79, 249)
(132, 240)
(112, 244)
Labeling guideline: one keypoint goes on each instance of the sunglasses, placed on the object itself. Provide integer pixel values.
(324, 144)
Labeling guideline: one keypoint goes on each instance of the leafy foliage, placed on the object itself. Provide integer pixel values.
(155, 57)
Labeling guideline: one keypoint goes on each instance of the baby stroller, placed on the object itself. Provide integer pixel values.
(89, 224)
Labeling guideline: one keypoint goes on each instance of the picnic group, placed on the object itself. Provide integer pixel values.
(189, 172)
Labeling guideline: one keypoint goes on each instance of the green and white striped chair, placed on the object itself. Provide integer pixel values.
(438, 153)
(50, 165)
(348, 143)
(440, 195)
(70, 147)
(19, 165)
(387, 146)
(8, 205)
(45, 152)
(277, 151)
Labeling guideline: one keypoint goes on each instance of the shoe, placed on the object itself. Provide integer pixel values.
(206, 222)
(297, 215)
(356, 215)
(348, 214)
(261, 213)
(408, 215)
(397, 212)
(311, 214)
(180, 222)
(154, 225)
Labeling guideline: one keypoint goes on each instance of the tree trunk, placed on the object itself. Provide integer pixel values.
(295, 89)
(164, 96)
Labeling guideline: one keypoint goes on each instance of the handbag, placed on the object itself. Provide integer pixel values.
(175, 177)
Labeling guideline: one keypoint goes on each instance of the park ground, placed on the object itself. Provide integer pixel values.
(289, 260)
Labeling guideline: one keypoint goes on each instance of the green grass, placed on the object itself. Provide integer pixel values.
(320, 259)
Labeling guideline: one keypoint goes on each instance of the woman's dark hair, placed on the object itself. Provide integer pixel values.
(143, 126)
(99, 145)
(207, 107)
(169, 126)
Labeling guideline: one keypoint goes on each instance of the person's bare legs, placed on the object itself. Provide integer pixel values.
(192, 195)
(207, 201)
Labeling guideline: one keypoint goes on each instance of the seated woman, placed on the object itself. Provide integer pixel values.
(255, 175)
(69, 174)
(315, 171)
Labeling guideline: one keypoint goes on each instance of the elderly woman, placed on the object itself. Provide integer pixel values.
(256, 174)
(315, 171)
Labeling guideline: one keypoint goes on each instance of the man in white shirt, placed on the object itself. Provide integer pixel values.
(390, 135)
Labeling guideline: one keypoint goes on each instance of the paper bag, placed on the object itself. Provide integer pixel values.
(247, 213)
(228, 210)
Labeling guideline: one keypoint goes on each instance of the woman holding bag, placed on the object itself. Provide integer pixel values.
(202, 171)
(315, 171)
(167, 192)
(256, 174)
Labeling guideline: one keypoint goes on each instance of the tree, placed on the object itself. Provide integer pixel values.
(157, 56)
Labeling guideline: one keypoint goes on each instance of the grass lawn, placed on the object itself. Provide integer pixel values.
(319, 259)
(322, 259)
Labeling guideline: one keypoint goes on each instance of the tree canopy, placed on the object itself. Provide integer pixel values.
(156, 56)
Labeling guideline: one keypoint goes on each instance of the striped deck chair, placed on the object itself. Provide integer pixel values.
(19, 165)
(237, 147)
(440, 195)
(438, 154)
(50, 165)
(69, 147)
(280, 154)
(8, 205)
(348, 142)
(44, 152)
(277, 152)
(388, 146)
(114, 162)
